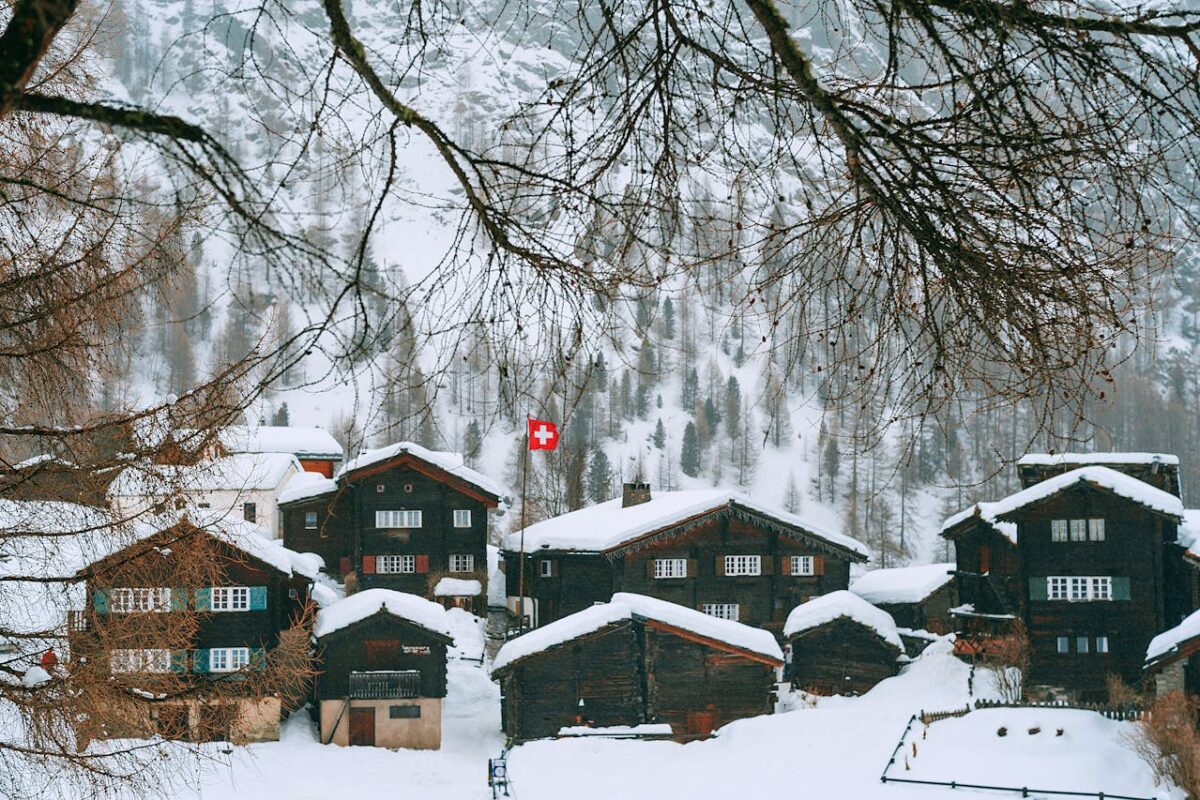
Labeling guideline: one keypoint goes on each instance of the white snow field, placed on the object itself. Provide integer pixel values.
(833, 750)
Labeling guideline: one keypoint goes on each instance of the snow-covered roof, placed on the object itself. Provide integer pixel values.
(450, 462)
(626, 606)
(457, 587)
(300, 441)
(902, 584)
(1189, 532)
(619, 731)
(1169, 640)
(838, 605)
(608, 525)
(1081, 459)
(306, 485)
(986, 512)
(242, 472)
(361, 605)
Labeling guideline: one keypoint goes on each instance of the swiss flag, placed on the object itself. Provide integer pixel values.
(542, 435)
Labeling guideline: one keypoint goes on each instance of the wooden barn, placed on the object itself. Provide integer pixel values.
(715, 551)
(190, 613)
(400, 517)
(841, 644)
(382, 661)
(917, 598)
(635, 661)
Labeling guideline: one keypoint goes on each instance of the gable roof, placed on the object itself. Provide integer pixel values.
(902, 584)
(304, 442)
(842, 604)
(1174, 643)
(369, 602)
(451, 463)
(986, 512)
(625, 606)
(306, 486)
(608, 527)
(242, 472)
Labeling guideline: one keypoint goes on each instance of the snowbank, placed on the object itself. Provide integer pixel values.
(842, 604)
(902, 584)
(409, 607)
(631, 731)
(457, 587)
(450, 462)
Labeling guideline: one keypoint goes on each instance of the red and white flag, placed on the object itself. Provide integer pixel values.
(542, 435)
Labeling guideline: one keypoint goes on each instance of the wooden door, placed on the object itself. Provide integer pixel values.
(985, 559)
(362, 727)
(701, 722)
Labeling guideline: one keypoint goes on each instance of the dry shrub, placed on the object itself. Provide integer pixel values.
(1168, 741)
(1007, 659)
(1121, 693)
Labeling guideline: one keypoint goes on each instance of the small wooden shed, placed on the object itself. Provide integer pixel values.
(1173, 658)
(634, 661)
(841, 644)
(918, 598)
(382, 655)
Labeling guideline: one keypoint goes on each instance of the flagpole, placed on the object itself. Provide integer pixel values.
(521, 578)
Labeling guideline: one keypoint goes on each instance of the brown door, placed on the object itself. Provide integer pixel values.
(701, 722)
(362, 726)
(985, 559)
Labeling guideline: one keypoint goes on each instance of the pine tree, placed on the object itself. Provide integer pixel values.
(791, 495)
(660, 434)
(472, 442)
(733, 406)
(691, 385)
(689, 454)
(668, 318)
(599, 477)
(281, 415)
(831, 461)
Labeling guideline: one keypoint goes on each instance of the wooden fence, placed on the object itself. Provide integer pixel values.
(1130, 713)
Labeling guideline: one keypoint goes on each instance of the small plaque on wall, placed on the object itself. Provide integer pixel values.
(416, 650)
(404, 712)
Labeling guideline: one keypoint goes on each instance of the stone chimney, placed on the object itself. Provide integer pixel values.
(634, 494)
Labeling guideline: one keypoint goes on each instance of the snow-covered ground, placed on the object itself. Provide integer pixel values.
(832, 749)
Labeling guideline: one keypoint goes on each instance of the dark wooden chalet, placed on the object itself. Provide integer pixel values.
(841, 644)
(991, 591)
(635, 661)
(1102, 571)
(190, 614)
(715, 551)
(382, 661)
(400, 517)
(917, 598)
(1160, 470)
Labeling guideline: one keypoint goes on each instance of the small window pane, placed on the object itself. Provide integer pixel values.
(546, 568)
(670, 568)
(1079, 530)
(1064, 644)
(462, 517)
(397, 519)
(1058, 530)
(802, 565)
(395, 564)
(1096, 530)
(1081, 644)
(743, 565)
(1101, 644)
(310, 520)
(722, 610)
(462, 563)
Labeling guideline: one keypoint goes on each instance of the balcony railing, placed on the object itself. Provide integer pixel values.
(391, 685)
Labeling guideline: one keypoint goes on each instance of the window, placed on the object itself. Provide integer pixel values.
(460, 562)
(462, 517)
(395, 564)
(310, 520)
(228, 659)
(250, 512)
(546, 568)
(130, 601)
(743, 565)
(1095, 530)
(1058, 530)
(1081, 644)
(139, 661)
(721, 610)
(408, 488)
(802, 565)
(1101, 644)
(380, 488)
(404, 712)
(1078, 588)
(1079, 530)
(670, 568)
(230, 598)
(397, 519)
(1064, 644)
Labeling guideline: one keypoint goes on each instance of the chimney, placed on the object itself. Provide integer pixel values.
(634, 494)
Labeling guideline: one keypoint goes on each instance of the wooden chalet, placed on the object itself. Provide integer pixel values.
(182, 618)
(1172, 659)
(917, 598)
(635, 661)
(715, 551)
(989, 585)
(45, 478)
(401, 517)
(1160, 470)
(1101, 567)
(382, 661)
(841, 644)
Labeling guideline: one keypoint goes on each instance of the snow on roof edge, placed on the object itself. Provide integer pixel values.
(361, 605)
(842, 604)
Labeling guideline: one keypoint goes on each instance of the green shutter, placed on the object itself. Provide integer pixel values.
(1037, 588)
(258, 598)
(179, 661)
(100, 601)
(179, 599)
(258, 658)
(204, 599)
(200, 661)
(1120, 588)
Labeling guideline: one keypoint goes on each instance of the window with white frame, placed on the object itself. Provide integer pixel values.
(1058, 530)
(546, 568)
(462, 517)
(1064, 644)
(229, 598)
(1095, 530)
(1077, 530)
(802, 565)
(310, 520)
(153, 660)
(721, 610)
(743, 565)
(395, 564)
(228, 659)
(1101, 644)
(670, 568)
(462, 562)
(1079, 588)
(1081, 644)
(132, 601)
(397, 519)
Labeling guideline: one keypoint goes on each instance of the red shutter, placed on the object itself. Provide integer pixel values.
(985, 559)
(818, 565)
(720, 566)
(368, 565)
(785, 565)
(344, 565)
(649, 567)
(693, 568)
(422, 564)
